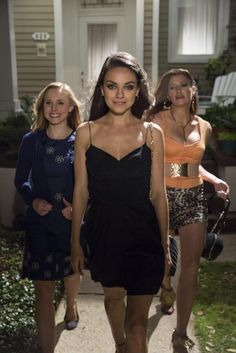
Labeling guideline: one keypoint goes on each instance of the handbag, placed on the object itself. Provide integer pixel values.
(214, 244)
(172, 242)
(173, 255)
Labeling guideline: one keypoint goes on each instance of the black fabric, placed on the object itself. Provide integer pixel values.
(173, 255)
(120, 232)
(214, 244)
(213, 247)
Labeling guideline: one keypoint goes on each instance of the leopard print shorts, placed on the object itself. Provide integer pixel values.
(186, 206)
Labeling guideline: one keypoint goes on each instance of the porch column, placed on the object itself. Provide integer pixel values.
(140, 30)
(58, 30)
(8, 88)
(155, 39)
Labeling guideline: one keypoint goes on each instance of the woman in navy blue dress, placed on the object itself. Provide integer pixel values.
(124, 231)
(45, 178)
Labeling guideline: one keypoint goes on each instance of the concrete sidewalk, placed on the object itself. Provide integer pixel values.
(93, 332)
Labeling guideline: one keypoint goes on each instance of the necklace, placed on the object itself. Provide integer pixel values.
(182, 127)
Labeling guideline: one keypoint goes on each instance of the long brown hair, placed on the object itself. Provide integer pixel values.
(73, 119)
(121, 59)
(161, 92)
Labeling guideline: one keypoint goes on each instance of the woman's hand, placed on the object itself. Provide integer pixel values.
(221, 188)
(77, 259)
(41, 206)
(67, 210)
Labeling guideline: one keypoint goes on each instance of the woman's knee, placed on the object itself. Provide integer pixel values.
(136, 327)
(189, 270)
(44, 289)
(190, 262)
(112, 298)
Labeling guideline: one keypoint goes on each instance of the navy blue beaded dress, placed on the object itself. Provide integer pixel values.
(47, 241)
(120, 231)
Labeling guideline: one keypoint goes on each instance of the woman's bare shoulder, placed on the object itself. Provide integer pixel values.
(156, 118)
(154, 131)
(83, 134)
(83, 128)
(154, 126)
(205, 124)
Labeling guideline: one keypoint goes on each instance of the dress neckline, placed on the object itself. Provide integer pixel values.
(113, 157)
(59, 140)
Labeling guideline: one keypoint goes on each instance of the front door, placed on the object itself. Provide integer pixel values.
(102, 41)
(98, 39)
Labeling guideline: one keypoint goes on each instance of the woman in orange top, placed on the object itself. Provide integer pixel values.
(186, 136)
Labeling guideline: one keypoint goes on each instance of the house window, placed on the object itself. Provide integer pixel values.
(101, 3)
(102, 41)
(197, 29)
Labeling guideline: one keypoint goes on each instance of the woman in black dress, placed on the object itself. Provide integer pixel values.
(124, 232)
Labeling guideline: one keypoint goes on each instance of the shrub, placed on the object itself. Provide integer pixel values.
(15, 126)
(221, 116)
(226, 136)
(17, 325)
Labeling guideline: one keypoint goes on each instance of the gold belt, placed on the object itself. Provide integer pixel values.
(174, 170)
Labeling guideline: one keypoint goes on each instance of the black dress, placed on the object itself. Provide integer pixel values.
(120, 231)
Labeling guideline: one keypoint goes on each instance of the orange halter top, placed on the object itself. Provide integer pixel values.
(177, 152)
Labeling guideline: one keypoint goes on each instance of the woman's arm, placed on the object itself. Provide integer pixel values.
(80, 195)
(158, 188)
(24, 166)
(221, 187)
(23, 181)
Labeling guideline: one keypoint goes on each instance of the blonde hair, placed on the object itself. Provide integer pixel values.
(73, 119)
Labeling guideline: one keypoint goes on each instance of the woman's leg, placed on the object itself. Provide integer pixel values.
(115, 309)
(71, 284)
(167, 282)
(45, 314)
(136, 319)
(192, 238)
(167, 296)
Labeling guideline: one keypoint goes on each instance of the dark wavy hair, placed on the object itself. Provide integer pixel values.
(161, 92)
(74, 117)
(121, 59)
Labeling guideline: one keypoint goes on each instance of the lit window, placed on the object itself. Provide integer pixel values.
(197, 29)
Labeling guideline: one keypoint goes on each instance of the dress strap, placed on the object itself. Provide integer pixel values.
(148, 127)
(90, 136)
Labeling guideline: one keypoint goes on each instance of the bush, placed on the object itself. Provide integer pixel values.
(17, 325)
(221, 116)
(13, 128)
(218, 66)
(226, 136)
(16, 297)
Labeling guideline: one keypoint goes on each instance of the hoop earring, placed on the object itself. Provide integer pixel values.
(167, 104)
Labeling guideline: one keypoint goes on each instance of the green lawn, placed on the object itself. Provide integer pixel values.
(215, 307)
